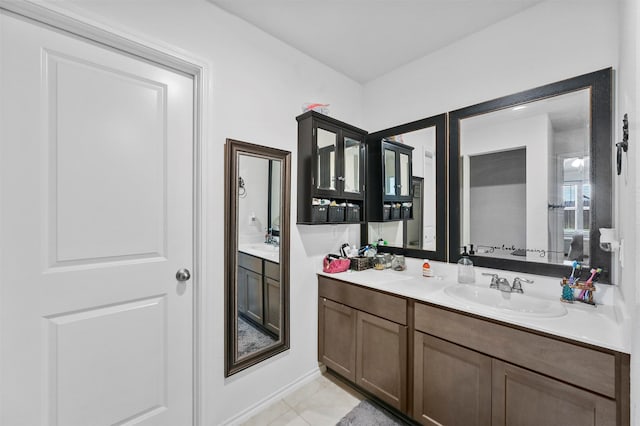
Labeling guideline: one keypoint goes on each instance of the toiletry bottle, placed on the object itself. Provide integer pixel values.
(466, 274)
(426, 269)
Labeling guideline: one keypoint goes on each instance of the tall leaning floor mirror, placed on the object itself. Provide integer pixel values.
(257, 206)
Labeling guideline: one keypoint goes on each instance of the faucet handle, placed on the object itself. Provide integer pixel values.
(517, 284)
(494, 279)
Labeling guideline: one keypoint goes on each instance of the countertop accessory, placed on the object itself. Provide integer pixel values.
(360, 263)
(466, 274)
(398, 263)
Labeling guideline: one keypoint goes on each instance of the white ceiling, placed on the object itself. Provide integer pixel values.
(364, 39)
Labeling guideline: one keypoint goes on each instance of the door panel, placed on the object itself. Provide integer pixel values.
(96, 191)
(381, 361)
(337, 337)
(107, 147)
(452, 384)
(522, 397)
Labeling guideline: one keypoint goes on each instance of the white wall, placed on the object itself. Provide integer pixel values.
(551, 41)
(628, 184)
(257, 87)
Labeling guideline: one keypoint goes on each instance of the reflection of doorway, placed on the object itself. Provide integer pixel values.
(414, 227)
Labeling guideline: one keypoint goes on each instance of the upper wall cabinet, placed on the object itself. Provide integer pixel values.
(331, 158)
(389, 176)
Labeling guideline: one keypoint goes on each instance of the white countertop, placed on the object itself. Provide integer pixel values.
(600, 325)
(265, 251)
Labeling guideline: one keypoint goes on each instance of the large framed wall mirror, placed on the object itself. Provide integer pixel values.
(257, 206)
(532, 182)
(425, 234)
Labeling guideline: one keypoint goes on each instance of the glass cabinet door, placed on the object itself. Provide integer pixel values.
(352, 163)
(405, 175)
(327, 142)
(389, 172)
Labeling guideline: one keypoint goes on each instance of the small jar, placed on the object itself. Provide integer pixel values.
(379, 262)
(388, 257)
(398, 263)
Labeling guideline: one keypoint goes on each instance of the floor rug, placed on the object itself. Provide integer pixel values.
(368, 414)
(250, 339)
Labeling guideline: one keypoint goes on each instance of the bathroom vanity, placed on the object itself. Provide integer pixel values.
(439, 359)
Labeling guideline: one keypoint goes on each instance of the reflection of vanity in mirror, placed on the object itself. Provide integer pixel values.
(257, 256)
(422, 233)
(534, 176)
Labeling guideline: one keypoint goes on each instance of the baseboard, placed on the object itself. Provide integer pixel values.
(274, 397)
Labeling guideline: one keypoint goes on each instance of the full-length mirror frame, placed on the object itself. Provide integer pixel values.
(599, 127)
(438, 191)
(264, 246)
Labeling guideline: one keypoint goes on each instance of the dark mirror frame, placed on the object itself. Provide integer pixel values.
(233, 149)
(440, 124)
(601, 145)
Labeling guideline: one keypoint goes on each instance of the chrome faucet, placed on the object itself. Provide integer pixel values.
(494, 280)
(502, 284)
(517, 284)
(270, 239)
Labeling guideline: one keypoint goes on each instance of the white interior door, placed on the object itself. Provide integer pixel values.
(96, 203)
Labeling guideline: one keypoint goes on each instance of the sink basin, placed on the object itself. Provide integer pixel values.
(265, 251)
(514, 304)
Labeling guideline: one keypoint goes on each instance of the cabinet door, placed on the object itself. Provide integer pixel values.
(404, 174)
(337, 338)
(522, 397)
(381, 361)
(254, 297)
(452, 384)
(272, 304)
(389, 161)
(241, 289)
(352, 168)
(326, 162)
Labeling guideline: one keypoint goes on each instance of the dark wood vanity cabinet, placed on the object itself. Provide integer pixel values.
(445, 367)
(259, 291)
(389, 179)
(331, 165)
(362, 335)
(470, 371)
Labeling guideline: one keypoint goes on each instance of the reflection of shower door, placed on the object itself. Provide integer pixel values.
(414, 227)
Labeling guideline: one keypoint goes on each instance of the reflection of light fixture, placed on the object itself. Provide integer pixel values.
(577, 163)
(518, 108)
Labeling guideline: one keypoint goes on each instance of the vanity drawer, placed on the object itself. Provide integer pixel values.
(380, 304)
(272, 270)
(249, 262)
(588, 368)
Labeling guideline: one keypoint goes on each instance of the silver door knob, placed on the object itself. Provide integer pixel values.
(183, 274)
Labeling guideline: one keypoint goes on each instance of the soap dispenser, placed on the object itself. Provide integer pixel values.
(466, 274)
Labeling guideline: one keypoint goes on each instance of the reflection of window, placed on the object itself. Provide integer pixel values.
(586, 195)
(569, 195)
(576, 201)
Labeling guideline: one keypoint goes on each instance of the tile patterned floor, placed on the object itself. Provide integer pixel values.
(322, 402)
